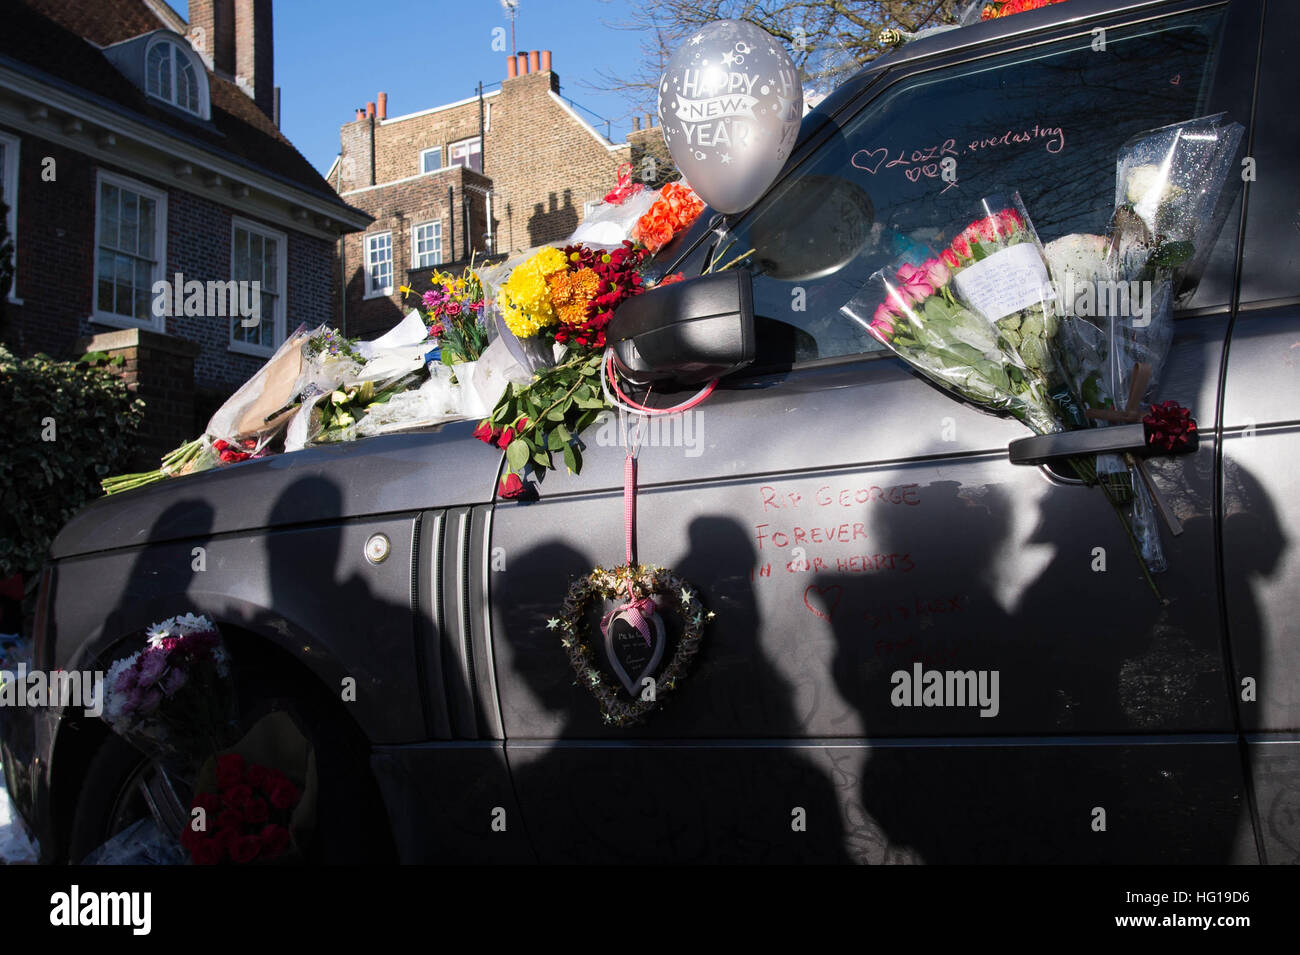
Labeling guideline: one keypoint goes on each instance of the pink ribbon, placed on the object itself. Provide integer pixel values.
(638, 610)
(626, 188)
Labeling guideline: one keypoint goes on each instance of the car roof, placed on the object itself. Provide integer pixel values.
(967, 37)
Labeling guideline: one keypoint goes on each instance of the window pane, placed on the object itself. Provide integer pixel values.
(129, 235)
(148, 225)
(143, 288)
(157, 67)
(1042, 121)
(106, 270)
(270, 265)
(108, 215)
(254, 256)
(239, 271)
(124, 285)
(187, 86)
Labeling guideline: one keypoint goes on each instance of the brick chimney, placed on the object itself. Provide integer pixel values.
(255, 52)
(235, 38)
(212, 33)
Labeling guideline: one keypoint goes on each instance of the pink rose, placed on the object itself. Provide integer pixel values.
(882, 323)
(937, 272)
(916, 283)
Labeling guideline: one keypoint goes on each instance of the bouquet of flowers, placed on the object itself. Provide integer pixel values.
(673, 211)
(174, 699)
(247, 818)
(453, 308)
(1116, 292)
(567, 297)
(974, 318)
(979, 320)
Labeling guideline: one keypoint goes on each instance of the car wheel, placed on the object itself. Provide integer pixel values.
(123, 786)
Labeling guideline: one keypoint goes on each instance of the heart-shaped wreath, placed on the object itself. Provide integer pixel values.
(646, 581)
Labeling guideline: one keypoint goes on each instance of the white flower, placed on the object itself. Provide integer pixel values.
(158, 632)
(194, 623)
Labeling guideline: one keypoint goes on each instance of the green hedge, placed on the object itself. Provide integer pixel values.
(64, 426)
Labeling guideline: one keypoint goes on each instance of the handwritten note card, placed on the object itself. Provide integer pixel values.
(1005, 282)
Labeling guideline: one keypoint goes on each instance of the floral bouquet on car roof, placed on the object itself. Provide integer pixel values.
(453, 309)
(565, 297)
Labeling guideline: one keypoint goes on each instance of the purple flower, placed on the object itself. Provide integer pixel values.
(152, 664)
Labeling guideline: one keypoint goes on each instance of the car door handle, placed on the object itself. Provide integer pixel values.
(1115, 439)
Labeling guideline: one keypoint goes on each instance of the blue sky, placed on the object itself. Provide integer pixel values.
(333, 56)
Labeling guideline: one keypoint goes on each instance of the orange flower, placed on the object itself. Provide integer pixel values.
(571, 293)
(675, 209)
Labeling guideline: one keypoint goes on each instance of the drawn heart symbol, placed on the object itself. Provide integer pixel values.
(867, 154)
(1178, 78)
(830, 597)
(913, 174)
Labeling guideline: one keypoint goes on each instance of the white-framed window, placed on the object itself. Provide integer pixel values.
(467, 153)
(258, 254)
(426, 245)
(9, 193)
(379, 264)
(431, 159)
(170, 74)
(130, 251)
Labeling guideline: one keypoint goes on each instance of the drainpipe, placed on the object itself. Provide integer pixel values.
(451, 219)
(482, 160)
(464, 215)
(491, 246)
(343, 258)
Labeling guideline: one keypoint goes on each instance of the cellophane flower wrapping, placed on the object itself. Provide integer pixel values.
(977, 318)
(911, 311)
(174, 699)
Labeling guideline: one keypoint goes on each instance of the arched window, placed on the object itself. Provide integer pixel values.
(171, 76)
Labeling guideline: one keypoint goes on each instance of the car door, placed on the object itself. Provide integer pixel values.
(1261, 445)
(846, 521)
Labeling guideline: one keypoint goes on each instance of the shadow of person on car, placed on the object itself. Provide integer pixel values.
(940, 674)
(711, 776)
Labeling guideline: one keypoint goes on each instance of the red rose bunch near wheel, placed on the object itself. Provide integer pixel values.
(247, 809)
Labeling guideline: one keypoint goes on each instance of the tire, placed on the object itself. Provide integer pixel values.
(351, 825)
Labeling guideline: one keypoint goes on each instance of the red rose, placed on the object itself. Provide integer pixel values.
(274, 839)
(230, 819)
(220, 445)
(486, 433)
(237, 796)
(256, 811)
(207, 852)
(258, 776)
(675, 277)
(224, 838)
(511, 486)
(230, 770)
(245, 849)
(284, 794)
(208, 802)
(509, 434)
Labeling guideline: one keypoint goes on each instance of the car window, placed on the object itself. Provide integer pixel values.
(1047, 122)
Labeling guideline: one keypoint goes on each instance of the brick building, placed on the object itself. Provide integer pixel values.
(135, 147)
(515, 168)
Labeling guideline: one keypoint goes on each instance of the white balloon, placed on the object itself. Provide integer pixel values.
(730, 103)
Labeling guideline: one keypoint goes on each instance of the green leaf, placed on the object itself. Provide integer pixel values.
(572, 458)
(554, 441)
(543, 458)
(517, 454)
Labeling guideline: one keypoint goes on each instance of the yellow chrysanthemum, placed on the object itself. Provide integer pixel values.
(525, 299)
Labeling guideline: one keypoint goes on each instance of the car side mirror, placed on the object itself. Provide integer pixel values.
(687, 332)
